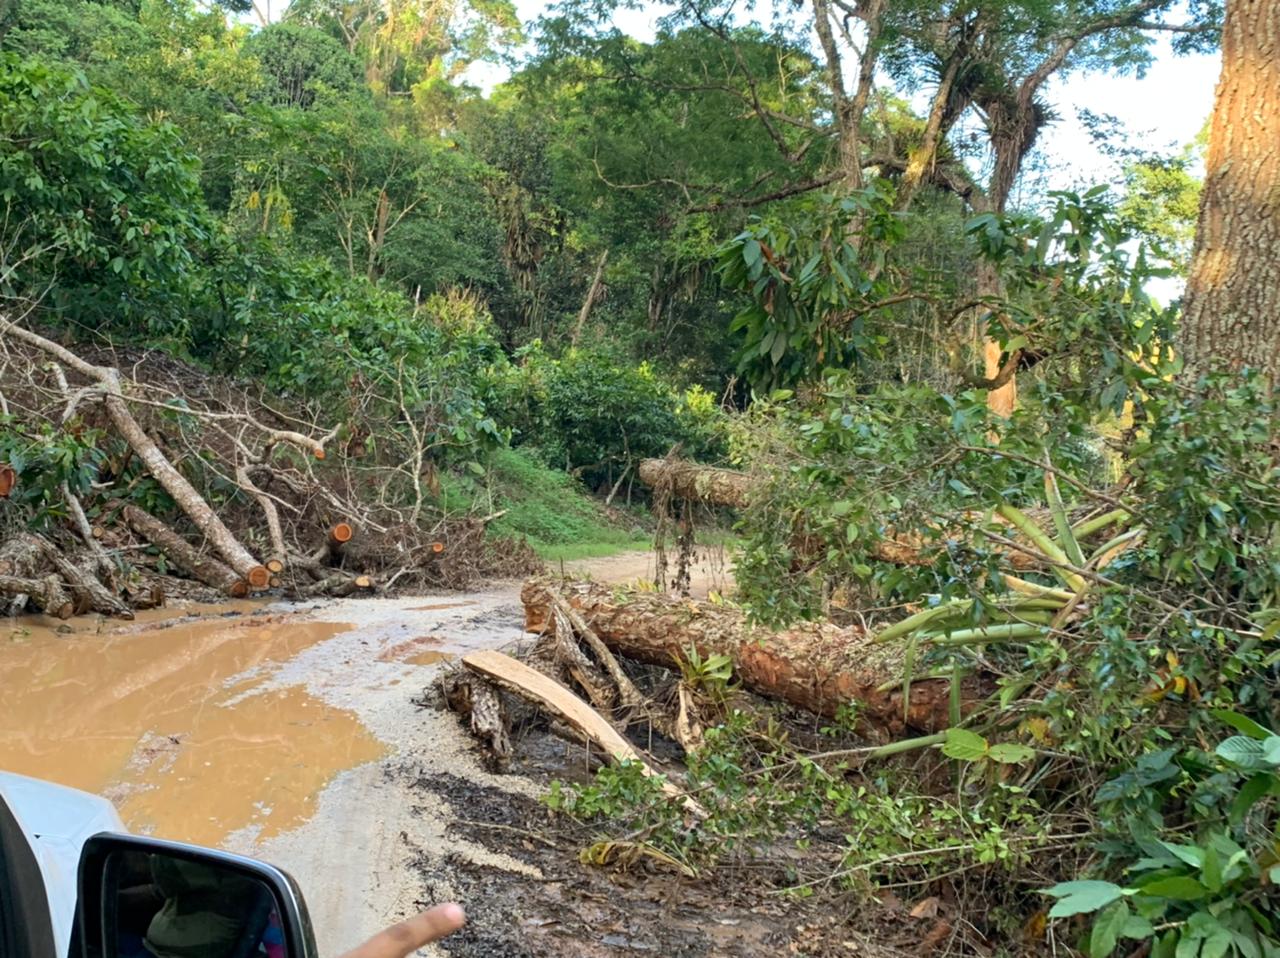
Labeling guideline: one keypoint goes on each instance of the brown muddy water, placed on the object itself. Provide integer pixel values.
(167, 716)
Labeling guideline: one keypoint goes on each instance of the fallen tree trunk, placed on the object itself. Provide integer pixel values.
(816, 666)
(727, 487)
(182, 553)
(48, 593)
(687, 480)
(173, 482)
(514, 676)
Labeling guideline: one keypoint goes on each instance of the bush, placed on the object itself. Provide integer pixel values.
(595, 416)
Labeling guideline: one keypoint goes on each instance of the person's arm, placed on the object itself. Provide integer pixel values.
(404, 938)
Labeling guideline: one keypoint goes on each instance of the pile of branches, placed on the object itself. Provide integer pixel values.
(187, 483)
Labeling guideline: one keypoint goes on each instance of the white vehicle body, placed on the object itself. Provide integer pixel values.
(57, 820)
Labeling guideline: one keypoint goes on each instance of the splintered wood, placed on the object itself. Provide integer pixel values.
(514, 676)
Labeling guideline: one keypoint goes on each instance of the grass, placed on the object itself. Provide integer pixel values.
(545, 507)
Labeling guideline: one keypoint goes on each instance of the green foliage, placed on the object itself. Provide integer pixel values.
(811, 284)
(1205, 470)
(101, 209)
(1206, 886)
(297, 62)
(759, 790)
(597, 416)
(1162, 200)
(545, 507)
(44, 459)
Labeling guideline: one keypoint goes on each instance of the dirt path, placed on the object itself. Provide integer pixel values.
(709, 572)
(289, 733)
(284, 732)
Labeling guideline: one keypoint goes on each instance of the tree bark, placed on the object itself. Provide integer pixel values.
(588, 304)
(1231, 314)
(727, 487)
(815, 666)
(173, 482)
(183, 554)
(47, 592)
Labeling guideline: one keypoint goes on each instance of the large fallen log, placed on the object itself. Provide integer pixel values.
(816, 666)
(727, 487)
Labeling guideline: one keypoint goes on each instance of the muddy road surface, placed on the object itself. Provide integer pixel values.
(290, 733)
(286, 732)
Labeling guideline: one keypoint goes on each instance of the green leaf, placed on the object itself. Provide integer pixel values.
(1178, 887)
(1242, 723)
(1107, 929)
(1242, 752)
(1137, 928)
(1271, 750)
(1082, 897)
(964, 745)
(1264, 783)
(1010, 753)
(1191, 854)
(1163, 948)
(1211, 871)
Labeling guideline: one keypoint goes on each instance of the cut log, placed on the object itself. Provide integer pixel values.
(514, 676)
(468, 694)
(340, 535)
(815, 666)
(338, 586)
(686, 480)
(181, 553)
(48, 593)
(21, 555)
(89, 593)
(8, 479)
(275, 566)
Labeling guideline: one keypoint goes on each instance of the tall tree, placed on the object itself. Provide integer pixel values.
(1231, 315)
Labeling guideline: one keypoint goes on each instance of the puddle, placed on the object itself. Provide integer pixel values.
(442, 605)
(123, 708)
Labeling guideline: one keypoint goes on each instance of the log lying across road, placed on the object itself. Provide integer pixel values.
(815, 666)
(728, 487)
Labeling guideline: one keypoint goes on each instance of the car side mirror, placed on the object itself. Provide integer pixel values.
(145, 898)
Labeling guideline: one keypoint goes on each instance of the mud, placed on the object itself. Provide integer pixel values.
(143, 713)
(579, 911)
(288, 733)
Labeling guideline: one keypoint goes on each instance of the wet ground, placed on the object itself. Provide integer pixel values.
(289, 733)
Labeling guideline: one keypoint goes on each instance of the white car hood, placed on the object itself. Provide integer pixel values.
(57, 820)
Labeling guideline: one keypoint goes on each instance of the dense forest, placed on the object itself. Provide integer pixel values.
(785, 267)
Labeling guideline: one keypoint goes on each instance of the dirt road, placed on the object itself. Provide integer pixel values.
(286, 732)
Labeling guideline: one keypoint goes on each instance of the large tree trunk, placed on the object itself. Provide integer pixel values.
(727, 487)
(1231, 316)
(181, 553)
(815, 666)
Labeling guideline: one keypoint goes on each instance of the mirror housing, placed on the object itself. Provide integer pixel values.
(97, 930)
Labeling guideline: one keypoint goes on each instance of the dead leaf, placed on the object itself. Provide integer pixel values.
(927, 908)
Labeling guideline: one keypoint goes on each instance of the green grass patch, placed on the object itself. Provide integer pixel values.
(546, 507)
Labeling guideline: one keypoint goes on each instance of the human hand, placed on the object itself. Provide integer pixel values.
(404, 938)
